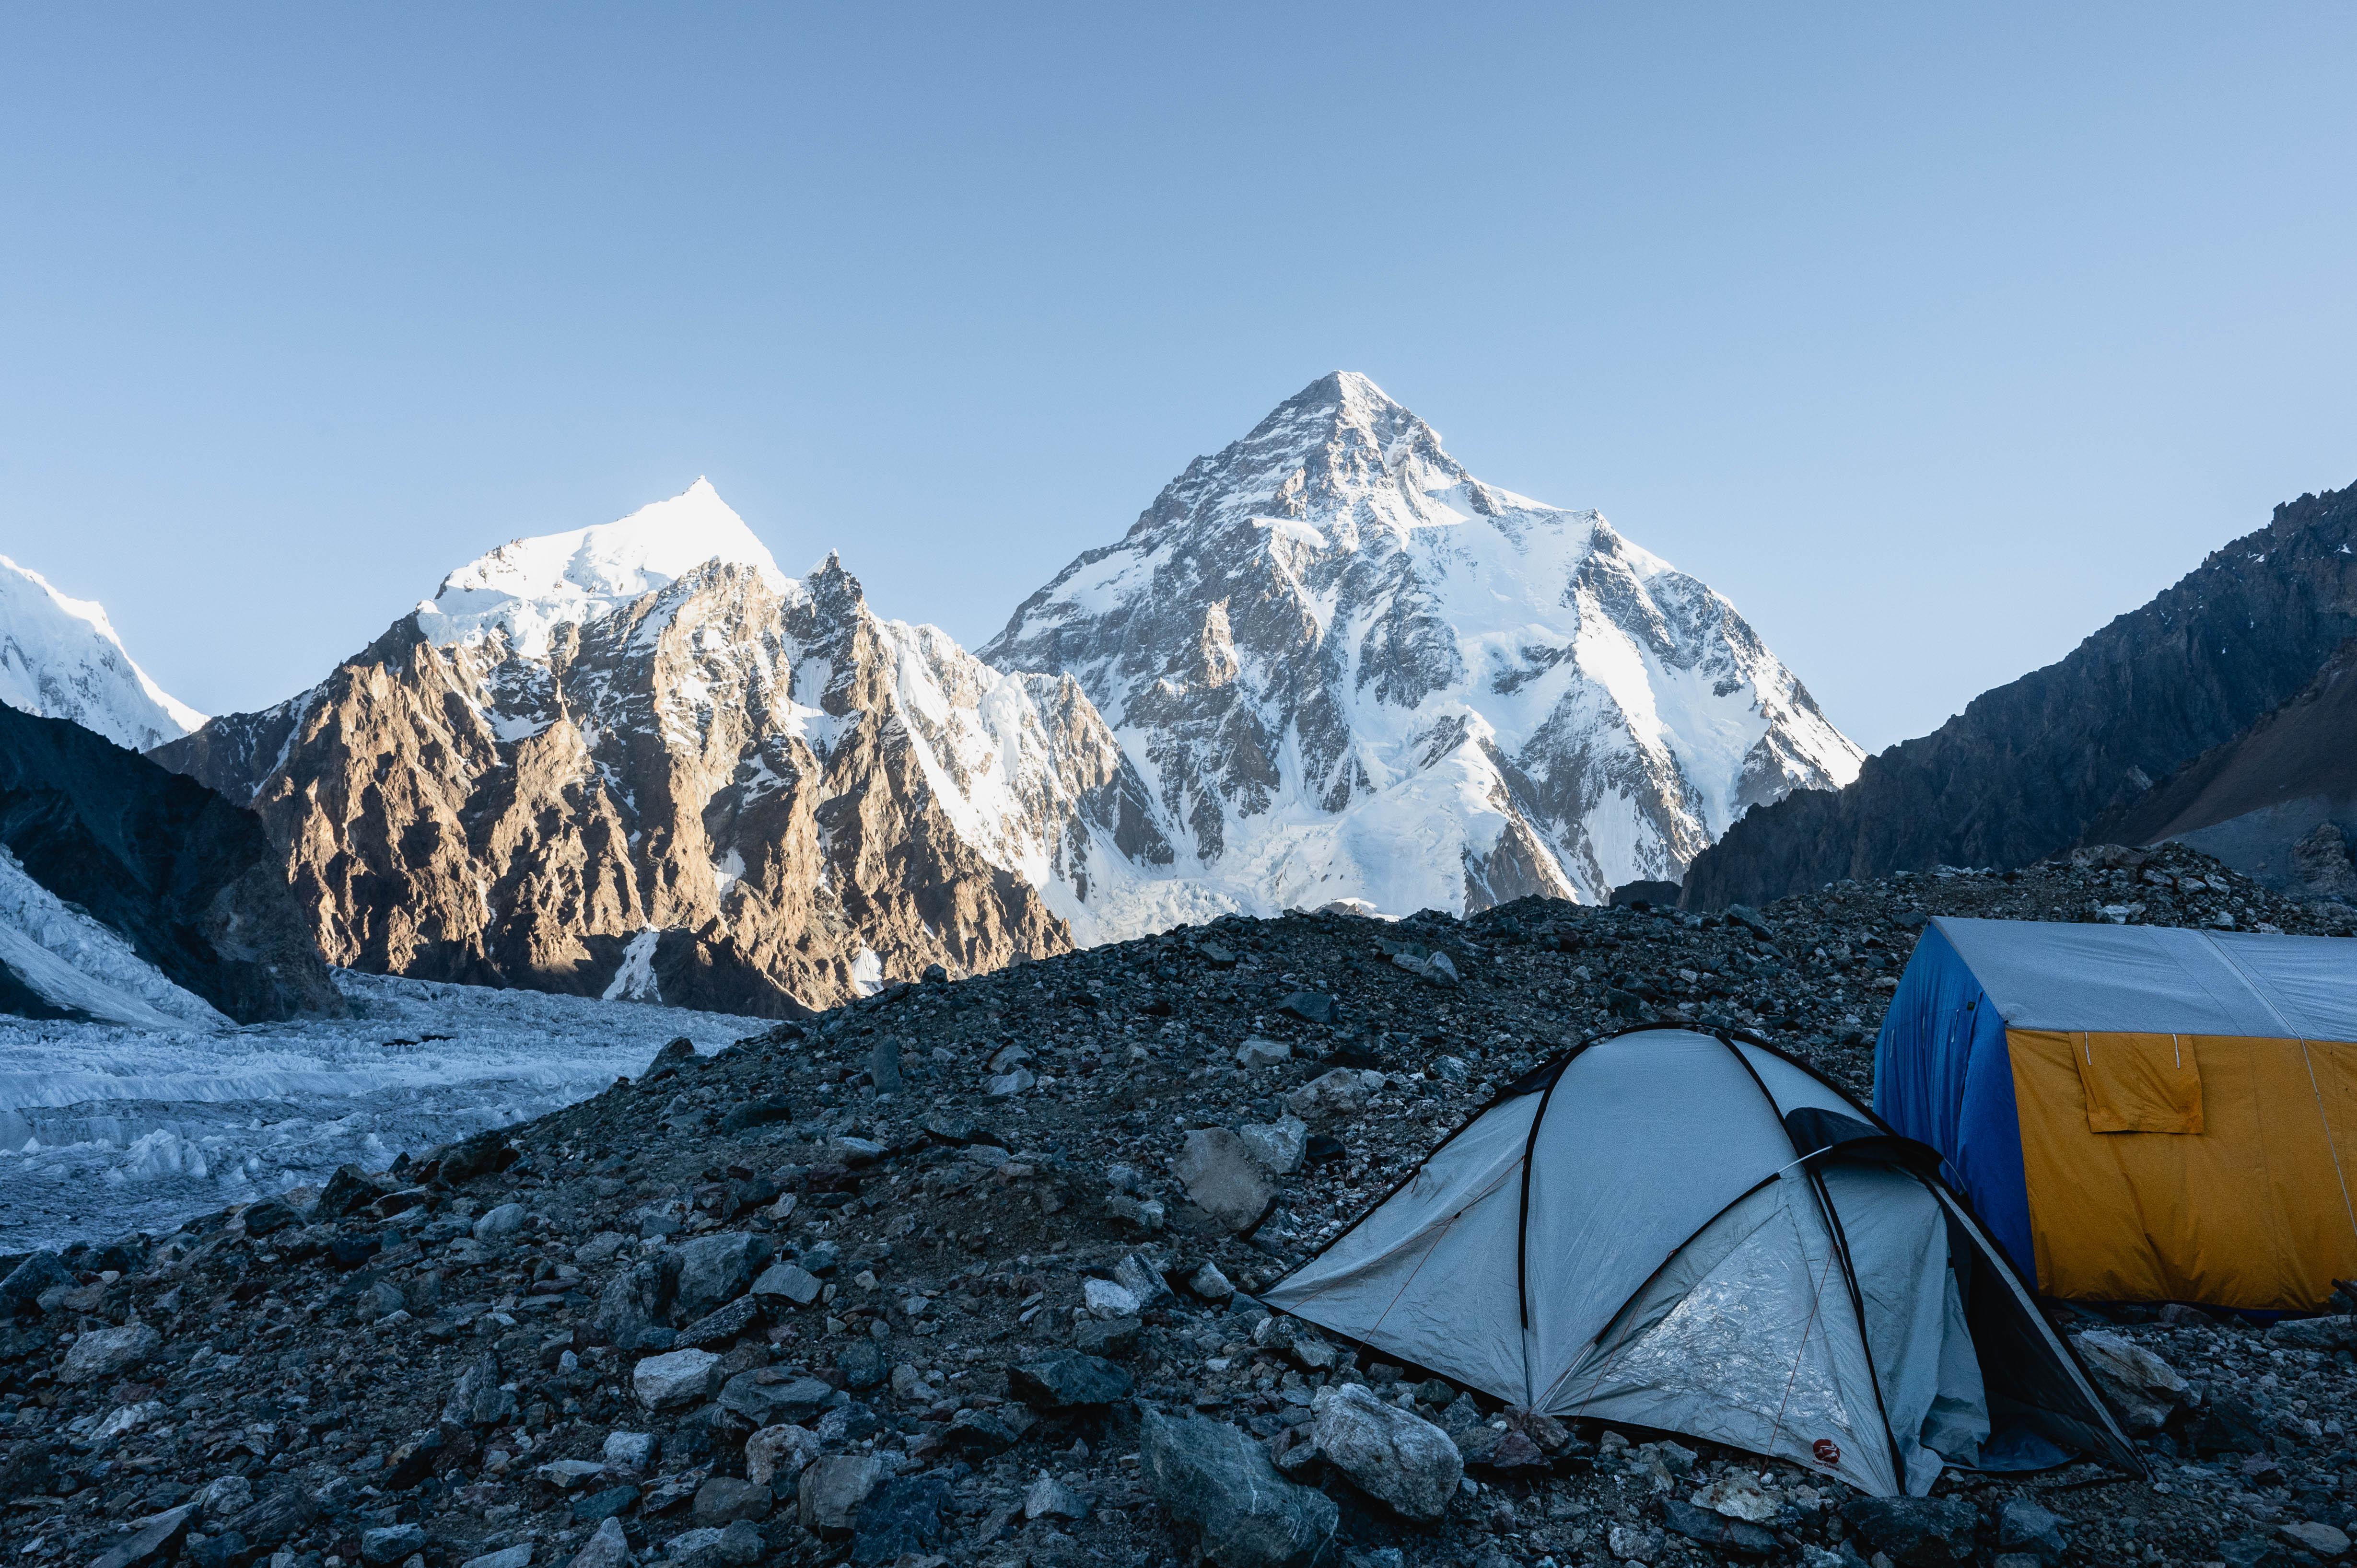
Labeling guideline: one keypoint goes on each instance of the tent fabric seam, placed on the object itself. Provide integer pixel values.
(1841, 1248)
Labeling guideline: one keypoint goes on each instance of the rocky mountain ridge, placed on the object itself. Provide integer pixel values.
(2278, 801)
(2035, 766)
(130, 894)
(726, 789)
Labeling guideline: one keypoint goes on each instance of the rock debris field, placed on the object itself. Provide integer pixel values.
(962, 1273)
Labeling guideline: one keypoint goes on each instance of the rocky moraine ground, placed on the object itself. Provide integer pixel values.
(961, 1274)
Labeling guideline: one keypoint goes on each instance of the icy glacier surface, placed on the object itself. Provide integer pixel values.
(107, 1128)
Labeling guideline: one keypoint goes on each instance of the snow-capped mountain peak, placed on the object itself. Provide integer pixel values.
(528, 588)
(60, 658)
(1348, 669)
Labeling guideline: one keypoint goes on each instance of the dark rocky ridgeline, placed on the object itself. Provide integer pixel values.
(2026, 768)
(2278, 802)
(183, 876)
(960, 1274)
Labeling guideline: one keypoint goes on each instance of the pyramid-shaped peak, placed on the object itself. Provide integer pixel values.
(530, 585)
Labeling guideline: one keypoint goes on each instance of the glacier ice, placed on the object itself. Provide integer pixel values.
(107, 1127)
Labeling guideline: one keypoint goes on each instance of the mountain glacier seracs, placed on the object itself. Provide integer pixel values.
(60, 658)
(1345, 667)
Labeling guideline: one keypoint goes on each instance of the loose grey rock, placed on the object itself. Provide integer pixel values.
(724, 1500)
(1278, 1145)
(2326, 1541)
(103, 1352)
(716, 1270)
(1341, 1093)
(1107, 1337)
(791, 1280)
(499, 1223)
(776, 1453)
(607, 1547)
(897, 1520)
(1218, 1479)
(2144, 1389)
(477, 1399)
(2024, 1525)
(27, 1280)
(224, 1496)
(1390, 1454)
(1259, 1053)
(1050, 1498)
(516, 1556)
(157, 1539)
(1310, 1006)
(382, 1546)
(2328, 1334)
(831, 1490)
(1141, 1275)
(1067, 1379)
(675, 1378)
(631, 1452)
(1210, 1283)
(769, 1404)
(1916, 1533)
(1219, 1172)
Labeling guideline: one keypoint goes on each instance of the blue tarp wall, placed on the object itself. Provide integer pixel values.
(1942, 1074)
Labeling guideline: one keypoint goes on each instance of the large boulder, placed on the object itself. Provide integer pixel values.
(103, 1352)
(676, 1378)
(477, 1399)
(1212, 1476)
(716, 1270)
(1067, 1379)
(831, 1490)
(2144, 1389)
(636, 1300)
(21, 1291)
(900, 1518)
(1916, 1533)
(1219, 1172)
(795, 1400)
(1333, 1096)
(1390, 1454)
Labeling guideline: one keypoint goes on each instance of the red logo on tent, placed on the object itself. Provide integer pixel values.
(1827, 1451)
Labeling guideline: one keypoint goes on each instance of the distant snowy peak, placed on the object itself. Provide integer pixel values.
(529, 587)
(1348, 669)
(60, 659)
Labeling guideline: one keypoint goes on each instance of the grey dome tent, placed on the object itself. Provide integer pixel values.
(1695, 1233)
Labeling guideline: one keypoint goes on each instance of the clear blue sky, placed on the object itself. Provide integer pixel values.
(1933, 336)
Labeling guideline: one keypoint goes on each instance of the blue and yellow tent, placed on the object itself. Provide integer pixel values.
(2138, 1113)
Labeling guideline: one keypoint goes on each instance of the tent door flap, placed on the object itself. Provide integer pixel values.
(2139, 1084)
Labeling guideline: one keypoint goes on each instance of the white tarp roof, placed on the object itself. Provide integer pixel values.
(2161, 980)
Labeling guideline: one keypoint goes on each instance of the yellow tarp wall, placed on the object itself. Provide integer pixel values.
(2188, 1168)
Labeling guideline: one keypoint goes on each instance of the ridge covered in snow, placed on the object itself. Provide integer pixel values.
(60, 658)
(1346, 668)
(528, 588)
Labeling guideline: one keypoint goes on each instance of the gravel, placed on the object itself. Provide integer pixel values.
(873, 1324)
